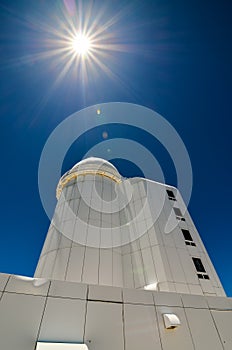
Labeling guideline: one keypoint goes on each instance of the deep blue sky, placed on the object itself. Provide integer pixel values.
(177, 61)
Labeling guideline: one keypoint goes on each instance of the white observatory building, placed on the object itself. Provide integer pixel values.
(110, 231)
(122, 268)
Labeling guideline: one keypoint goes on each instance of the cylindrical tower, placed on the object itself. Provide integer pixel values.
(90, 223)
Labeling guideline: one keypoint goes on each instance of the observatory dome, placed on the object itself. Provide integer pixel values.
(94, 163)
(89, 166)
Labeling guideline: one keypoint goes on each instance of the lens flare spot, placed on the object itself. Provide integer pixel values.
(105, 135)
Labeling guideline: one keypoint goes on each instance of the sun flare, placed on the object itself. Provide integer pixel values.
(81, 44)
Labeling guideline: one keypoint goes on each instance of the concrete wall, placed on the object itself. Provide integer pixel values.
(109, 317)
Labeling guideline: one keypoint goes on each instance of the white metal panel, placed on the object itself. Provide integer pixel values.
(27, 285)
(194, 301)
(40, 266)
(159, 233)
(91, 266)
(126, 249)
(223, 321)
(104, 326)
(20, 317)
(137, 296)
(203, 330)
(219, 303)
(63, 320)
(195, 289)
(182, 288)
(49, 263)
(3, 280)
(164, 286)
(152, 235)
(93, 235)
(171, 286)
(144, 241)
(75, 264)
(106, 237)
(69, 191)
(68, 213)
(149, 266)
(61, 264)
(106, 268)
(141, 229)
(79, 233)
(106, 193)
(94, 214)
(67, 229)
(138, 269)
(68, 289)
(167, 299)
(128, 278)
(168, 215)
(64, 241)
(175, 265)
(117, 270)
(115, 217)
(52, 241)
(158, 261)
(105, 293)
(141, 331)
(83, 211)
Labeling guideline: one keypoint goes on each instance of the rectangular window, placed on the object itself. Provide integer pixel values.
(198, 264)
(171, 195)
(206, 277)
(178, 213)
(187, 235)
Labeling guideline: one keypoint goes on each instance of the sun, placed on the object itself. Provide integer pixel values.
(81, 44)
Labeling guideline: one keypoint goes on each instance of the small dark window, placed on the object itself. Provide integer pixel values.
(187, 235)
(170, 194)
(206, 277)
(187, 243)
(177, 211)
(198, 264)
(193, 244)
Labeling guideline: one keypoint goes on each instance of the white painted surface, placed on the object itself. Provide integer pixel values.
(111, 318)
(203, 330)
(104, 327)
(154, 256)
(63, 320)
(141, 332)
